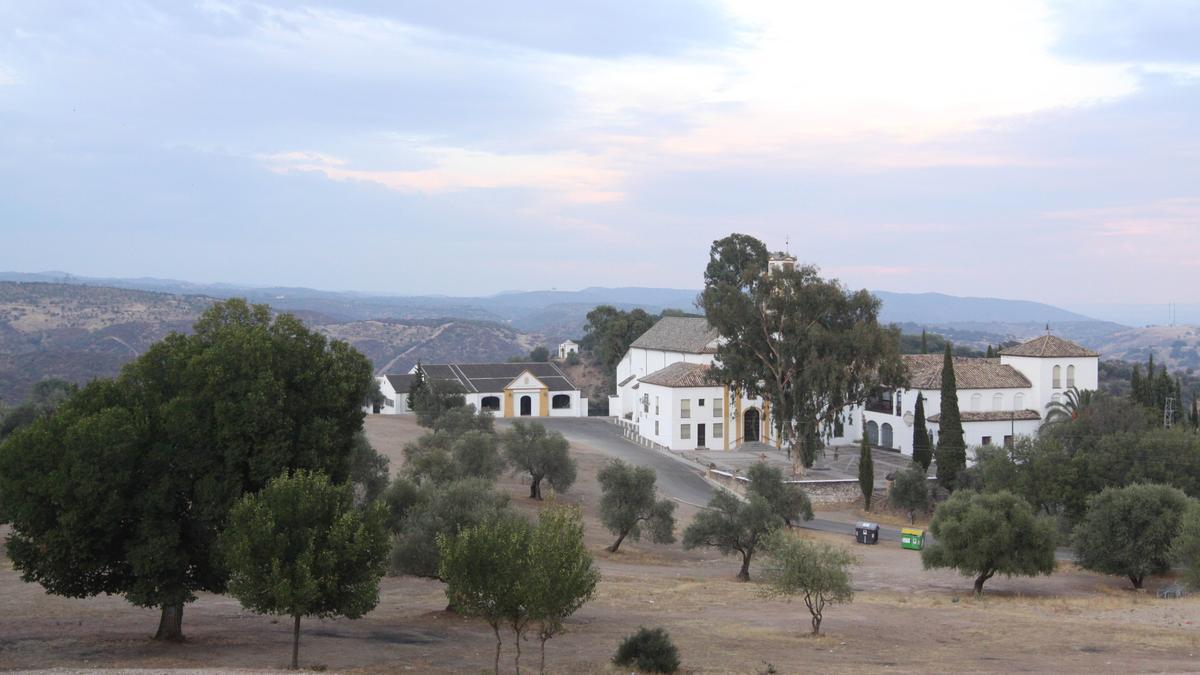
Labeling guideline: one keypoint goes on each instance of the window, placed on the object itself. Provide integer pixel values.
(701, 403)
(976, 401)
(490, 403)
(685, 431)
(997, 401)
(645, 403)
(1070, 376)
(1019, 402)
(838, 429)
(1008, 441)
(987, 440)
(1057, 377)
(656, 406)
(718, 430)
(655, 427)
(685, 409)
(560, 401)
(718, 407)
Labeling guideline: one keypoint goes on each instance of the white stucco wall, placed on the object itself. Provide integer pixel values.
(669, 416)
(641, 362)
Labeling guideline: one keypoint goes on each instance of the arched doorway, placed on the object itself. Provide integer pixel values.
(872, 433)
(885, 433)
(560, 402)
(750, 425)
(491, 403)
(526, 406)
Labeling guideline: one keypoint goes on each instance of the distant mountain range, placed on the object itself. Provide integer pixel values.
(75, 327)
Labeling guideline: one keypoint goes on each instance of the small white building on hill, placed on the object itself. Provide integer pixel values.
(566, 349)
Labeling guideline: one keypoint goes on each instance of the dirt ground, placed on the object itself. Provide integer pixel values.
(903, 619)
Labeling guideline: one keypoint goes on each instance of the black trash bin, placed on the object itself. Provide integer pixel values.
(866, 533)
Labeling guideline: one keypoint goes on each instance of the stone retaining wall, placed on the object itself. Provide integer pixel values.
(818, 491)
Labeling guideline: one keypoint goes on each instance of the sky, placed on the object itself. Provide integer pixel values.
(1024, 149)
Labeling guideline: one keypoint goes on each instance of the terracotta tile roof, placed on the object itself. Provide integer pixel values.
(993, 416)
(681, 375)
(691, 335)
(1048, 346)
(925, 372)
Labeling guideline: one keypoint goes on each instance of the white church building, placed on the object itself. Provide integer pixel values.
(999, 399)
(664, 388)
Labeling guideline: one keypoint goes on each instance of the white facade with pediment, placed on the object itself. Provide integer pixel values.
(662, 389)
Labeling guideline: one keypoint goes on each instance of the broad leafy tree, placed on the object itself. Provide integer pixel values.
(910, 491)
(629, 503)
(44, 398)
(951, 448)
(732, 526)
(433, 399)
(417, 515)
(609, 332)
(787, 501)
(804, 343)
(544, 455)
(1129, 531)
(126, 489)
(866, 472)
(368, 471)
(982, 535)
(1185, 550)
(560, 575)
(300, 548)
(477, 455)
(922, 448)
(816, 572)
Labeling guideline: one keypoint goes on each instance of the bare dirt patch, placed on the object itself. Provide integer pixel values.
(903, 618)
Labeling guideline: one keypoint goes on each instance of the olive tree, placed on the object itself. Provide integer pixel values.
(732, 526)
(787, 501)
(910, 491)
(529, 448)
(1186, 548)
(817, 572)
(419, 514)
(560, 575)
(299, 547)
(981, 535)
(1129, 531)
(629, 502)
(484, 570)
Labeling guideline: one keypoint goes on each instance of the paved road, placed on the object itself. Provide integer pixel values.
(677, 477)
(680, 478)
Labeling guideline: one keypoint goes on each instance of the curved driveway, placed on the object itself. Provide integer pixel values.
(677, 477)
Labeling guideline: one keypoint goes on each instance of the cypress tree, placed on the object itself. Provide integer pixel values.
(1195, 413)
(922, 452)
(1135, 384)
(990, 353)
(951, 448)
(924, 341)
(866, 472)
(1148, 388)
(417, 389)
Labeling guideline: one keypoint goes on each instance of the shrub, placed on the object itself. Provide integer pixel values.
(648, 650)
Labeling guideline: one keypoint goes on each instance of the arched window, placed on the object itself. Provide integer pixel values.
(872, 433)
(490, 403)
(1070, 376)
(976, 401)
(997, 401)
(1057, 383)
(560, 402)
(885, 435)
(1018, 401)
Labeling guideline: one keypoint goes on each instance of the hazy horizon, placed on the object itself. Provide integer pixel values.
(1034, 150)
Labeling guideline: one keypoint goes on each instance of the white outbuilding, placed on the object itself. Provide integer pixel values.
(566, 349)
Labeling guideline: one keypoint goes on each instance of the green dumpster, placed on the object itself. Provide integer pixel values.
(912, 538)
